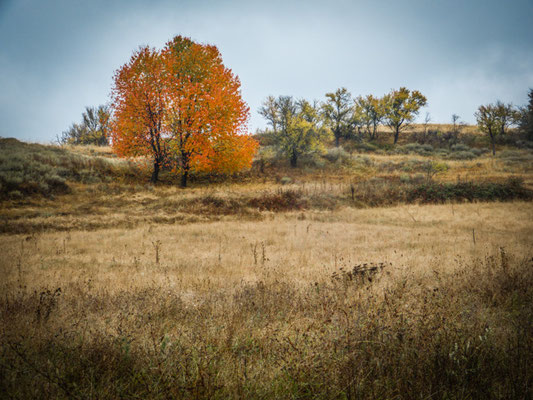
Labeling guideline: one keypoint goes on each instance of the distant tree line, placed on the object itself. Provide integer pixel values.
(298, 127)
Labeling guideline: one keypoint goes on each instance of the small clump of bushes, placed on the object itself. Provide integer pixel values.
(419, 188)
(434, 192)
(281, 200)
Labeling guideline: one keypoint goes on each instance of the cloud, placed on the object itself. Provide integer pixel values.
(60, 55)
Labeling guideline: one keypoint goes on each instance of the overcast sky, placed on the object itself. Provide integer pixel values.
(58, 56)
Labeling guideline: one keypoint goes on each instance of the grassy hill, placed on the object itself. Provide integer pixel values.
(368, 272)
(91, 183)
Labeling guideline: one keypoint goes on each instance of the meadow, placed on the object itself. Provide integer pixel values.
(366, 273)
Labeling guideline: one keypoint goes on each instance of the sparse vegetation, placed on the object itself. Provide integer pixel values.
(33, 169)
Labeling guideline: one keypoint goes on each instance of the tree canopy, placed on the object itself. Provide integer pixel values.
(296, 126)
(525, 117)
(182, 108)
(401, 107)
(338, 112)
(370, 111)
(494, 119)
(93, 129)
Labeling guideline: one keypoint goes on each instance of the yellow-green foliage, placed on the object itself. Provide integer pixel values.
(296, 126)
(401, 107)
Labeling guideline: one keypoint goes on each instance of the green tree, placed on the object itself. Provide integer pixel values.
(401, 108)
(494, 119)
(94, 128)
(296, 126)
(337, 112)
(370, 111)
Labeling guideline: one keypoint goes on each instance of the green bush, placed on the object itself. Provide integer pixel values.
(416, 148)
(310, 161)
(362, 161)
(285, 180)
(462, 155)
(460, 147)
(365, 147)
(338, 155)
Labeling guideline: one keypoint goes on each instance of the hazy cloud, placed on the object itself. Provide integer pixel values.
(56, 57)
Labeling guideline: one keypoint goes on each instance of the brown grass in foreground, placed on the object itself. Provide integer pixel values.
(274, 308)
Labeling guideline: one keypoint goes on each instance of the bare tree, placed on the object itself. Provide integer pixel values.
(427, 120)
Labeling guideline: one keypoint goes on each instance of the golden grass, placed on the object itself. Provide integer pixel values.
(130, 291)
(251, 309)
(302, 246)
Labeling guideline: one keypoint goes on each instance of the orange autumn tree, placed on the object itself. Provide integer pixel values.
(203, 116)
(140, 108)
(207, 115)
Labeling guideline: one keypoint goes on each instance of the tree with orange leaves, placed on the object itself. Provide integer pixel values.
(183, 108)
(207, 116)
(140, 108)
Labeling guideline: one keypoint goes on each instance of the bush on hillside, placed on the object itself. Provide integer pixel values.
(33, 169)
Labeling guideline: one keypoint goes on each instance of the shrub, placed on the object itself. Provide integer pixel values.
(418, 189)
(15, 195)
(365, 147)
(432, 192)
(416, 148)
(312, 161)
(338, 155)
(460, 147)
(462, 155)
(479, 152)
(363, 161)
(282, 200)
(285, 180)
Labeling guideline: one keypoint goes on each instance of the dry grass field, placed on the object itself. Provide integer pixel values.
(330, 283)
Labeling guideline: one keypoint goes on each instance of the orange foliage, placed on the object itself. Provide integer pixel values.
(139, 108)
(182, 107)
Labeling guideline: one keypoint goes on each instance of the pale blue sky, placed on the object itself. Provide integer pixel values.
(58, 56)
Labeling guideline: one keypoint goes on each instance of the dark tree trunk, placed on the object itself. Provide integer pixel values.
(184, 168)
(337, 139)
(155, 172)
(294, 159)
(492, 143)
(184, 176)
(396, 135)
